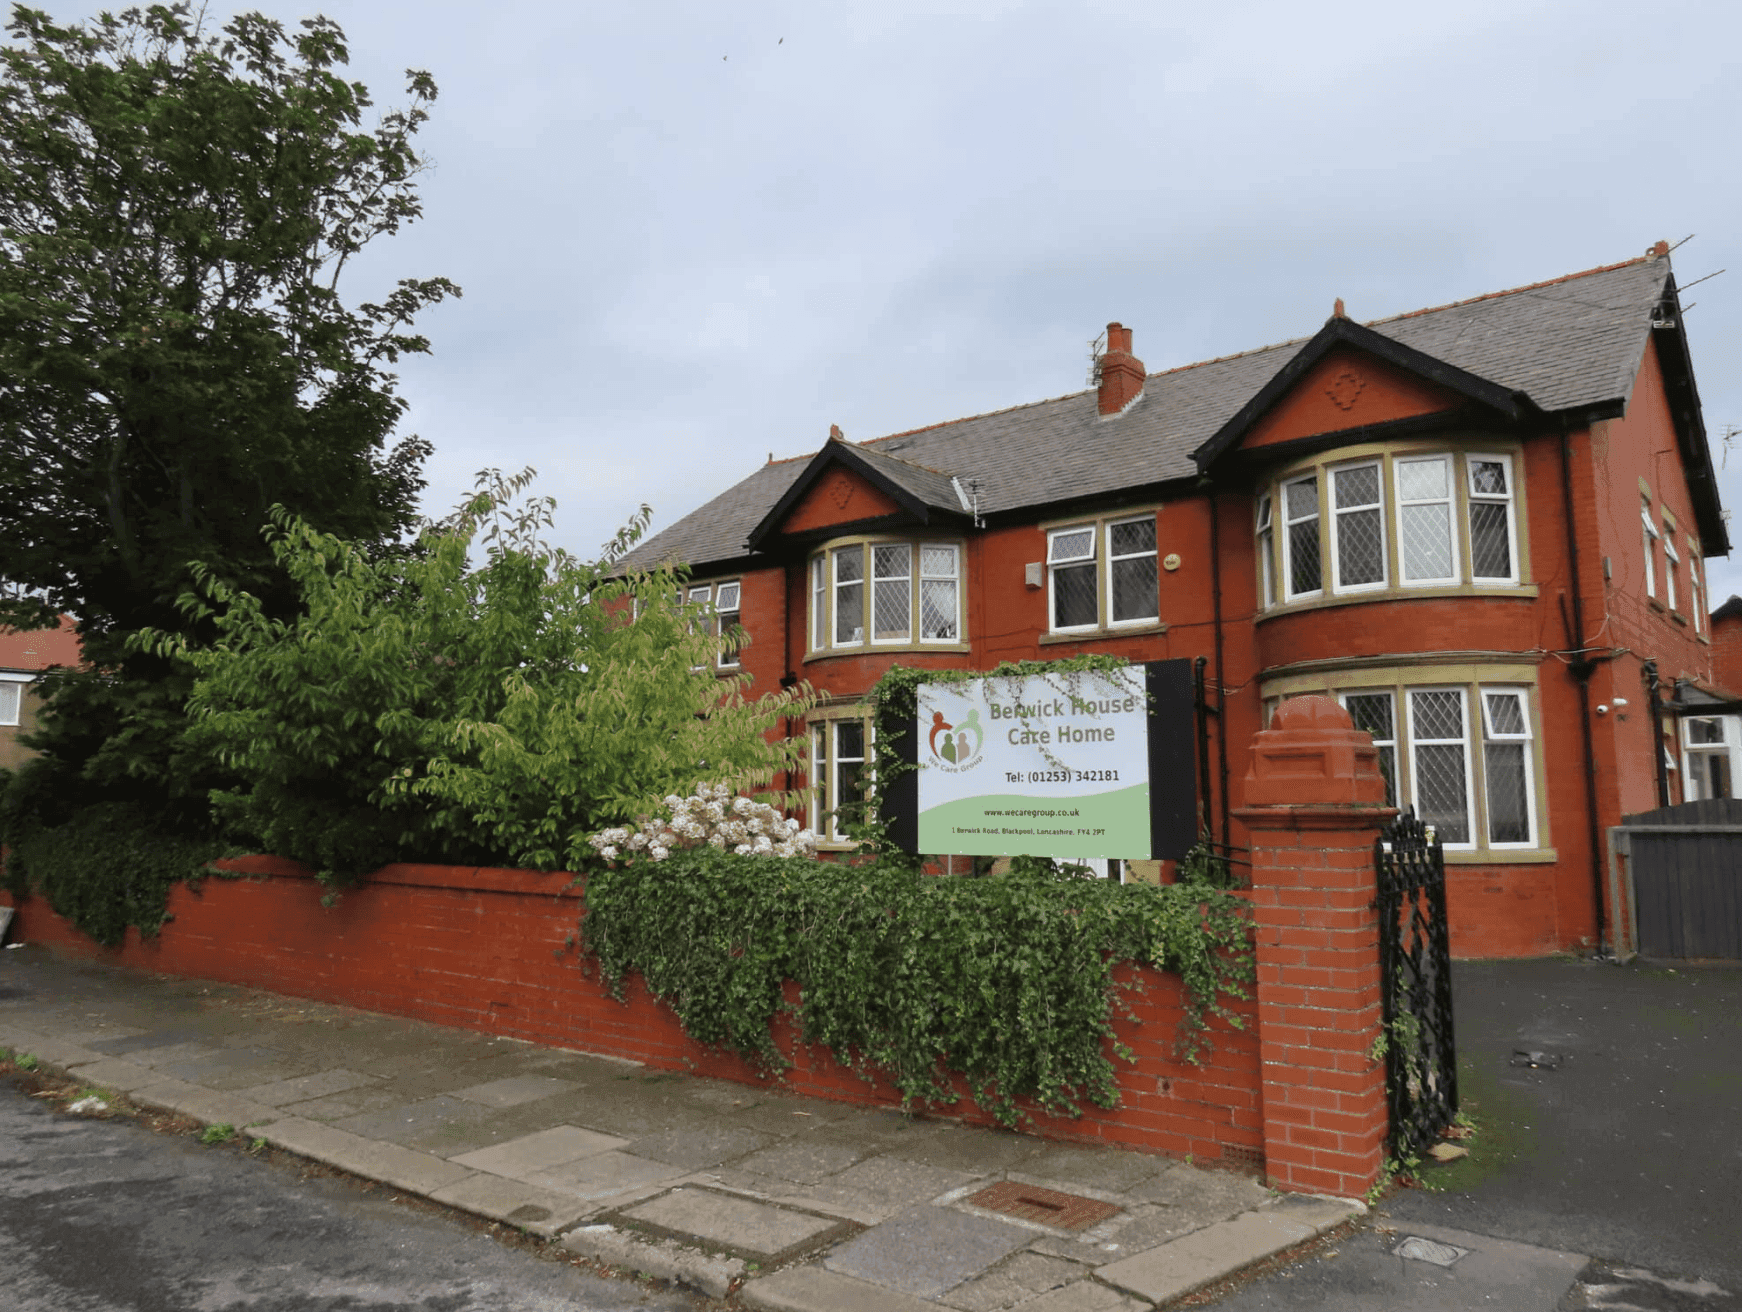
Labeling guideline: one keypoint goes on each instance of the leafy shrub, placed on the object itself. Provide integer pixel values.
(1006, 981)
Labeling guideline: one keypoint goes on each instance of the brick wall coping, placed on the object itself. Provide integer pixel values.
(476, 879)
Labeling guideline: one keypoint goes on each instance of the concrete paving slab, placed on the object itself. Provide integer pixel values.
(1084, 1296)
(1073, 1169)
(1019, 1277)
(538, 1211)
(805, 1161)
(976, 1151)
(814, 1289)
(114, 1073)
(542, 1151)
(88, 1035)
(350, 1102)
(56, 1053)
(208, 1105)
(759, 1230)
(302, 1088)
(120, 1045)
(604, 1175)
(1213, 1195)
(412, 1120)
(926, 1250)
(701, 1147)
(514, 1090)
(876, 1189)
(232, 1068)
(660, 1258)
(1174, 1269)
(413, 1171)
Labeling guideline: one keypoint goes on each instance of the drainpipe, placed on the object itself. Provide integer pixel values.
(1581, 668)
(1221, 682)
(1648, 672)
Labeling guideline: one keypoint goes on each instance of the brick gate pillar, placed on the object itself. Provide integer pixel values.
(1314, 804)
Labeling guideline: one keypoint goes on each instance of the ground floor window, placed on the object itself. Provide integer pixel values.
(1709, 746)
(1463, 755)
(840, 775)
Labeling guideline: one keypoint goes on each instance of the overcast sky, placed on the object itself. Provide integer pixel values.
(693, 234)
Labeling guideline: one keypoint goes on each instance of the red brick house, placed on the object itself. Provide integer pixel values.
(1474, 525)
(23, 658)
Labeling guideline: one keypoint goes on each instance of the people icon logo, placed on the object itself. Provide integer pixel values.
(956, 747)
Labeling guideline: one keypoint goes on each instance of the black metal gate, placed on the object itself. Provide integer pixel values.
(1415, 963)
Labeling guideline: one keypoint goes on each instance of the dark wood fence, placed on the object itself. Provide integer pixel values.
(1684, 879)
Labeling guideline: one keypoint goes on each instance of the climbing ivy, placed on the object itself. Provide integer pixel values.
(1006, 981)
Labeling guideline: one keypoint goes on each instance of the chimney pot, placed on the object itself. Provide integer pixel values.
(1122, 373)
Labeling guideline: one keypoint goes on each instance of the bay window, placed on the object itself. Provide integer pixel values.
(891, 594)
(1464, 756)
(1394, 520)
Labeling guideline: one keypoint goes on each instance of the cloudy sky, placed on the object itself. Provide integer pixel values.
(691, 234)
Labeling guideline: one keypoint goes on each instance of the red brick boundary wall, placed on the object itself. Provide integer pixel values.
(493, 950)
(1314, 805)
(1296, 1092)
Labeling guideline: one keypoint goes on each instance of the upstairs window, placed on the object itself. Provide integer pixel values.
(719, 604)
(1649, 546)
(1671, 561)
(11, 700)
(1300, 544)
(1084, 593)
(886, 594)
(1266, 553)
(1358, 528)
(1696, 599)
(1426, 544)
(1493, 553)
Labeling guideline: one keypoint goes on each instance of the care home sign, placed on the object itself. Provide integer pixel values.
(1091, 764)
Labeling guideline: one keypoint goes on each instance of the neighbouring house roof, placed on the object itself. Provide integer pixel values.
(1572, 346)
(37, 649)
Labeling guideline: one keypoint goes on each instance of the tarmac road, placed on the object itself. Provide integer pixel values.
(1623, 1144)
(107, 1216)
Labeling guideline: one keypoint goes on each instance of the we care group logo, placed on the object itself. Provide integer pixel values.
(956, 748)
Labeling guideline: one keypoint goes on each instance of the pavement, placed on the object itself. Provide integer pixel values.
(772, 1201)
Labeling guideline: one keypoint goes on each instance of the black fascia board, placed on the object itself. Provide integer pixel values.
(1690, 426)
(843, 454)
(1470, 420)
(1346, 332)
(1092, 503)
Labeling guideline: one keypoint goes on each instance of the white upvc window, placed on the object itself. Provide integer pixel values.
(1302, 572)
(1376, 712)
(1133, 579)
(1357, 528)
(720, 611)
(1493, 519)
(1266, 533)
(819, 601)
(1073, 599)
(891, 592)
(1650, 549)
(1696, 597)
(1508, 767)
(1439, 763)
(1427, 546)
(940, 591)
(849, 608)
(1671, 561)
(840, 773)
(1710, 745)
(12, 697)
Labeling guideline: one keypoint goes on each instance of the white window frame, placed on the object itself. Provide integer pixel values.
(820, 617)
(873, 549)
(1416, 743)
(954, 577)
(825, 765)
(1473, 498)
(1650, 539)
(1054, 562)
(1394, 784)
(1105, 602)
(1694, 754)
(12, 688)
(1526, 737)
(1696, 604)
(728, 601)
(1450, 500)
(1377, 506)
(1288, 523)
(1671, 558)
(1265, 533)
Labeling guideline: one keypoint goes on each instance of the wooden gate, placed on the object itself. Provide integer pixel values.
(1683, 879)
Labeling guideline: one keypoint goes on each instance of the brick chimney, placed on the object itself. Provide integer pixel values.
(1121, 372)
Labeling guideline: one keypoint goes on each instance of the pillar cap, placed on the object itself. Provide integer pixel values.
(1312, 757)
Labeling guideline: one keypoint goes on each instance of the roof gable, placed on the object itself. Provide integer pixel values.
(844, 484)
(1350, 377)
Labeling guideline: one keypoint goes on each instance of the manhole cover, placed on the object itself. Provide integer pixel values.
(1427, 1250)
(1029, 1202)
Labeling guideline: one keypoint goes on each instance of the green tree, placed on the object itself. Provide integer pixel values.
(177, 207)
(423, 707)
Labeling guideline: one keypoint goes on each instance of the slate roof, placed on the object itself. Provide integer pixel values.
(1569, 344)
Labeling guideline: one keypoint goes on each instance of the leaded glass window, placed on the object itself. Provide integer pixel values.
(1131, 565)
(1359, 527)
(1071, 565)
(1426, 548)
(1439, 762)
(1491, 519)
(1300, 566)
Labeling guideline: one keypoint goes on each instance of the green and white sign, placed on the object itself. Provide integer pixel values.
(1047, 765)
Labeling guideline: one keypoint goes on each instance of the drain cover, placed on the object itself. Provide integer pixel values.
(1029, 1202)
(1427, 1250)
